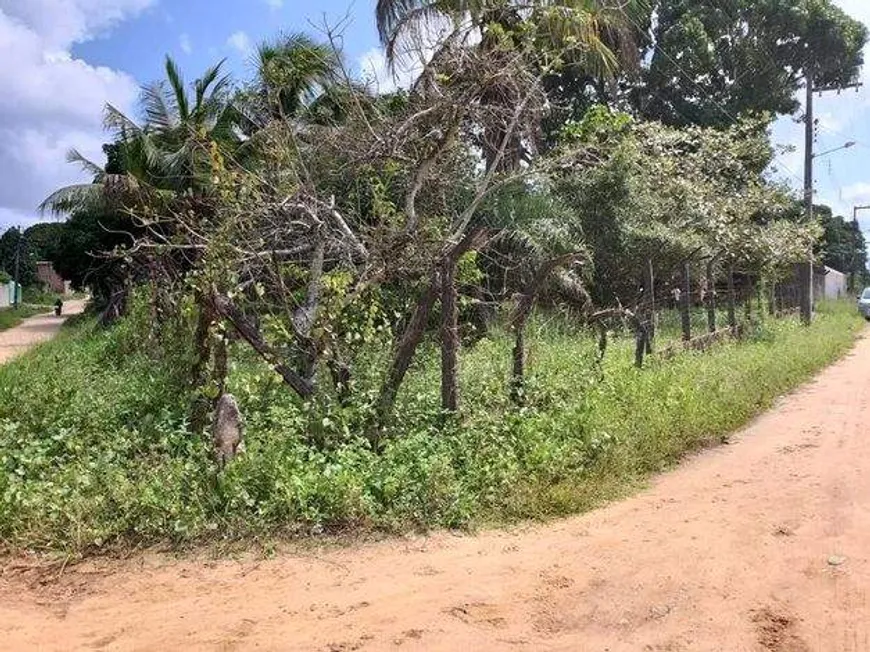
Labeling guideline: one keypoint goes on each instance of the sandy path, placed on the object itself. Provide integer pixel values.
(759, 545)
(34, 330)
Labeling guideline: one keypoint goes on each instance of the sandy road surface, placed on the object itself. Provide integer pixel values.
(759, 545)
(34, 330)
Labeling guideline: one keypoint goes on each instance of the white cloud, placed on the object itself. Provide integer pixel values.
(60, 23)
(413, 56)
(51, 100)
(185, 44)
(275, 4)
(375, 71)
(241, 42)
(857, 193)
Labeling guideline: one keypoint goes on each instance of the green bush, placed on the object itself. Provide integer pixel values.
(39, 296)
(94, 446)
(11, 317)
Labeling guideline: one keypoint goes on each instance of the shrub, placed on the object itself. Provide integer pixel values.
(94, 446)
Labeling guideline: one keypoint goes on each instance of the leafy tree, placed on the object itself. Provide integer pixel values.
(711, 61)
(842, 245)
(168, 152)
(579, 45)
(10, 242)
(84, 252)
(659, 193)
(35, 244)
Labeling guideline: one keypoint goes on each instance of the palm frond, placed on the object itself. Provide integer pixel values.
(119, 125)
(159, 114)
(87, 166)
(212, 81)
(292, 71)
(391, 15)
(179, 92)
(70, 199)
(409, 29)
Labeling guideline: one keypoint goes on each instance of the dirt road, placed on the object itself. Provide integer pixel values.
(759, 545)
(34, 330)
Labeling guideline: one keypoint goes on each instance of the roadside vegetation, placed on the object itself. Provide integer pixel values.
(511, 290)
(96, 449)
(11, 317)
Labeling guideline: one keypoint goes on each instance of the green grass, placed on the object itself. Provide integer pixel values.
(11, 317)
(38, 296)
(94, 449)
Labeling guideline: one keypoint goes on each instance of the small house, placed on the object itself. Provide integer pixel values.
(836, 285)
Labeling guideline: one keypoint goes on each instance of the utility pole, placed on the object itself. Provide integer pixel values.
(805, 270)
(17, 269)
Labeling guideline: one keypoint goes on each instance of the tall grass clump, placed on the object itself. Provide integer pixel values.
(95, 448)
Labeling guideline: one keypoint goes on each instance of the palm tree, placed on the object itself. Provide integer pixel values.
(597, 34)
(167, 150)
(165, 153)
(293, 76)
(292, 71)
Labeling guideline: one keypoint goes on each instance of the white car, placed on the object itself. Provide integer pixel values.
(864, 304)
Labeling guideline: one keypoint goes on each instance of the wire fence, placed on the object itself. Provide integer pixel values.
(702, 304)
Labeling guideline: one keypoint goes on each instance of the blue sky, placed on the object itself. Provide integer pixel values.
(199, 32)
(61, 60)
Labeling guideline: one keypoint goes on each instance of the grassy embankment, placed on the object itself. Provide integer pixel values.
(94, 449)
(12, 317)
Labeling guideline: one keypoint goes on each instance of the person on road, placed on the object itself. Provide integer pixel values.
(58, 306)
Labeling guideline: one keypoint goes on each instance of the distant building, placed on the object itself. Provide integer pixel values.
(836, 285)
(46, 275)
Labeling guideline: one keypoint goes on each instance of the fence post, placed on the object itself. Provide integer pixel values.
(649, 291)
(747, 306)
(640, 342)
(771, 299)
(732, 316)
(686, 304)
(759, 299)
(711, 298)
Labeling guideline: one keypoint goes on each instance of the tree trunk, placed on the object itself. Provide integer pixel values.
(747, 306)
(711, 298)
(732, 300)
(221, 365)
(521, 315)
(406, 347)
(449, 338)
(686, 304)
(805, 280)
(759, 299)
(650, 301)
(341, 378)
(640, 340)
(201, 340)
(249, 332)
(771, 300)
(519, 365)
(198, 373)
(305, 316)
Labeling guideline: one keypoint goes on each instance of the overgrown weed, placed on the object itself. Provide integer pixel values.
(95, 451)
